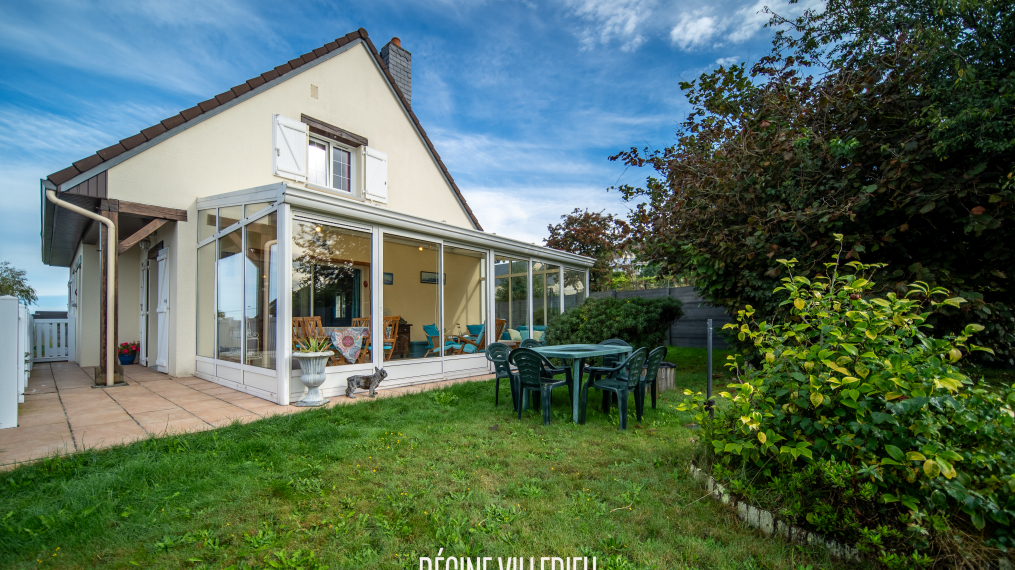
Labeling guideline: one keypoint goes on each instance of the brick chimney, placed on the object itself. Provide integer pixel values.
(399, 62)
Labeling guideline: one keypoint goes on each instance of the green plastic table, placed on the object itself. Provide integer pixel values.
(577, 353)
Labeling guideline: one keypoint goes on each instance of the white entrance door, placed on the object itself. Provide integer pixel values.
(162, 356)
(143, 312)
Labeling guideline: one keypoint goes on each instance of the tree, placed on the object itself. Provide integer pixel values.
(592, 234)
(892, 122)
(14, 282)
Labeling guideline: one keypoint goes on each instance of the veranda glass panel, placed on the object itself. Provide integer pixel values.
(230, 297)
(229, 216)
(260, 291)
(574, 287)
(510, 295)
(545, 296)
(206, 300)
(411, 298)
(207, 222)
(331, 288)
(465, 299)
(251, 209)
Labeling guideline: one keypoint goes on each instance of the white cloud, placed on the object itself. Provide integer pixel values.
(694, 30)
(522, 213)
(727, 61)
(713, 26)
(612, 19)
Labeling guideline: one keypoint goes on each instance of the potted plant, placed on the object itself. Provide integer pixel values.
(313, 356)
(127, 352)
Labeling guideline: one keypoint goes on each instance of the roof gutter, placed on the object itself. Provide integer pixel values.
(110, 277)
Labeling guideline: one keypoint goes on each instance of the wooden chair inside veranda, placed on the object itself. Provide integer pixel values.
(390, 332)
(368, 345)
(311, 327)
(499, 324)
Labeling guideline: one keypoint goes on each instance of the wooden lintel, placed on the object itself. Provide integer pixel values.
(146, 210)
(139, 235)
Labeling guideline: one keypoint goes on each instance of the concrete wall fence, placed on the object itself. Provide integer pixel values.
(691, 330)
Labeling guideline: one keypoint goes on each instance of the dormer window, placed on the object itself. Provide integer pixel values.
(329, 164)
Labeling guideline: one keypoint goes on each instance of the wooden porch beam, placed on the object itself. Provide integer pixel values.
(140, 235)
(146, 210)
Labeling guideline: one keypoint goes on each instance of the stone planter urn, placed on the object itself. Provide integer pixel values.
(312, 376)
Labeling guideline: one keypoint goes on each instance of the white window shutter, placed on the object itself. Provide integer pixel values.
(290, 148)
(376, 175)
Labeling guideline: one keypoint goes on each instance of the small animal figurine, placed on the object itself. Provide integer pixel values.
(366, 382)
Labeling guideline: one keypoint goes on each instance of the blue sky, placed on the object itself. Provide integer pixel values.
(525, 101)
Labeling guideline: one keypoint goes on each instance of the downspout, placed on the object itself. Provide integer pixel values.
(110, 277)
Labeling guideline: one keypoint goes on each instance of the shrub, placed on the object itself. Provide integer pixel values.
(859, 424)
(640, 322)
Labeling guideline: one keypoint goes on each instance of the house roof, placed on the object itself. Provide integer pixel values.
(86, 164)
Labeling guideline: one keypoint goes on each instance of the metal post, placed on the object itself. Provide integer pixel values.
(708, 390)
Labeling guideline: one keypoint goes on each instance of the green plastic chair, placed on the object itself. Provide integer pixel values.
(530, 343)
(498, 354)
(655, 358)
(609, 361)
(613, 383)
(531, 378)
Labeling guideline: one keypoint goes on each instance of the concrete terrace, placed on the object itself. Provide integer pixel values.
(62, 413)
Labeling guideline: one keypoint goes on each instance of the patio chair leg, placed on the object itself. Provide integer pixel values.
(639, 401)
(547, 397)
(583, 403)
(653, 395)
(606, 401)
(622, 397)
(521, 401)
(496, 391)
(515, 397)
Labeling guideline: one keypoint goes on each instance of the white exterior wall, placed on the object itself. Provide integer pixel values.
(232, 150)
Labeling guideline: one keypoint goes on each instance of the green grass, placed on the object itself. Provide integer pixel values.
(381, 483)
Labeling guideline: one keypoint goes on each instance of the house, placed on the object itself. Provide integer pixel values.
(308, 192)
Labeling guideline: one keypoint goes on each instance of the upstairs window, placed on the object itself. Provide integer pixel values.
(329, 165)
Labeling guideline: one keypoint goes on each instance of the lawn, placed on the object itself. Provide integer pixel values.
(381, 483)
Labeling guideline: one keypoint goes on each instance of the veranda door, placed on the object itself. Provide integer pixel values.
(162, 355)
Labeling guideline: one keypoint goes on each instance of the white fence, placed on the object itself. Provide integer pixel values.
(54, 340)
(15, 358)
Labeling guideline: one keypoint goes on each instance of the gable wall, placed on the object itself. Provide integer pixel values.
(232, 150)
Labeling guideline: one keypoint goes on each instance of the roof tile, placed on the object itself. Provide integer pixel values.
(269, 75)
(225, 97)
(352, 36)
(111, 151)
(342, 41)
(284, 68)
(88, 162)
(295, 62)
(309, 56)
(190, 113)
(64, 175)
(154, 131)
(208, 105)
(362, 33)
(255, 82)
(323, 50)
(241, 89)
(131, 142)
(174, 121)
